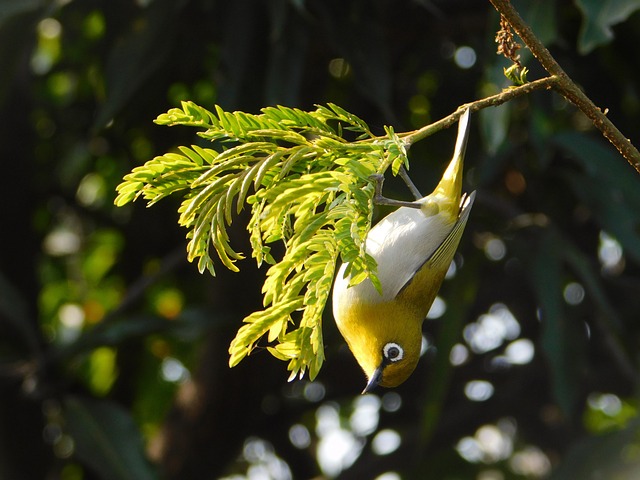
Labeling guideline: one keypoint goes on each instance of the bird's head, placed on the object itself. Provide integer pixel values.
(387, 345)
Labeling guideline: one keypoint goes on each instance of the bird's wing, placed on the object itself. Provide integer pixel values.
(441, 258)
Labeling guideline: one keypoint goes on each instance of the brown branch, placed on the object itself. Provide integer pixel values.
(492, 101)
(566, 87)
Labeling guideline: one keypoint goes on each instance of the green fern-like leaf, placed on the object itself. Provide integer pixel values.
(308, 188)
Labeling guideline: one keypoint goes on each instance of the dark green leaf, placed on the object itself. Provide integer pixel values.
(137, 56)
(494, 126)
(541, 17)
(361, 41)
(287, 55)
(562, 336)
(15, 312)
(598, 18)
(117, 332)
(9, 9)
(608, 186)
(18, 19)
(611, 456)
(106, 439)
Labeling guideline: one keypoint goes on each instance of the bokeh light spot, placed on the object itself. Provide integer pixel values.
(458, 355)
(438, 307)
(391, 402)
(299, 436)
(314, 391)
(573, 293)
(520, 352)
(339, 68)
(495, 249)
(173, 370)
(385, 442)
(478, 390)
(465, 57)
(365, 416)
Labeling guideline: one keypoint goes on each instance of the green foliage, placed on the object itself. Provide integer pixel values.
(106, 439)
(308, 188)
(606, 187)
(106, 342)
(598, 18)
(517, 74)
(561, 338)
(610, 455)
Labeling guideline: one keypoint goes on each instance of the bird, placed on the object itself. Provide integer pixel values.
(413, 248)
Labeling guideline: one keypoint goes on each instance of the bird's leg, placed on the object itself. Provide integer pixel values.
(380, 199)
(404, 175)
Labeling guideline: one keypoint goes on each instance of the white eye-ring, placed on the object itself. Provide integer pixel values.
(393, 352)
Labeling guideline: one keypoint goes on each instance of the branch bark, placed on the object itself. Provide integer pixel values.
(492, 101)
(567, 87)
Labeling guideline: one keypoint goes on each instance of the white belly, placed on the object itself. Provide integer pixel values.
(400, 243)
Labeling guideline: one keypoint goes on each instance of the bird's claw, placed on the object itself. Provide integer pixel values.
(379, 199)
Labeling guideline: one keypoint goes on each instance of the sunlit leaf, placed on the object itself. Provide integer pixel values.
(309, 188)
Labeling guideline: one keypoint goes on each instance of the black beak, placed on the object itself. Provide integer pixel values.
(375, 379)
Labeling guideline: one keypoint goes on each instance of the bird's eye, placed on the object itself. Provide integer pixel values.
(393, 352)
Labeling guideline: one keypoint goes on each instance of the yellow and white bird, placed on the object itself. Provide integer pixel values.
(413, 248)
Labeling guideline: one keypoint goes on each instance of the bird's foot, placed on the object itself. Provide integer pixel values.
(380, 199)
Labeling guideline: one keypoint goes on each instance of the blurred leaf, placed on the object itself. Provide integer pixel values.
(106, 439)
(542, 128)
(101, 254)
(190, 323)
(608, 186)
(494, 126)
(12, 8)
(238, 50)
(137, 56)
(101, 370)
(609, 323)
(14, 311)
(562, 336)
(360, 38)
(18, 19)
(613, 456)
(541, 17)
(589, 276)
(606, 420)
(365, 48)
(113, 333)
(23, 456)
(287, 55)
(598, 18)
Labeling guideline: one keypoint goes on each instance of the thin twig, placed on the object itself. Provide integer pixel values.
(566, 87)
(492, 101)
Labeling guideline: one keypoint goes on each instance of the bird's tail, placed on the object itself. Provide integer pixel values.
(449, 190)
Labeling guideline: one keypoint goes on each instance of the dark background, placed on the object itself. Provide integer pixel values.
(113, 349)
